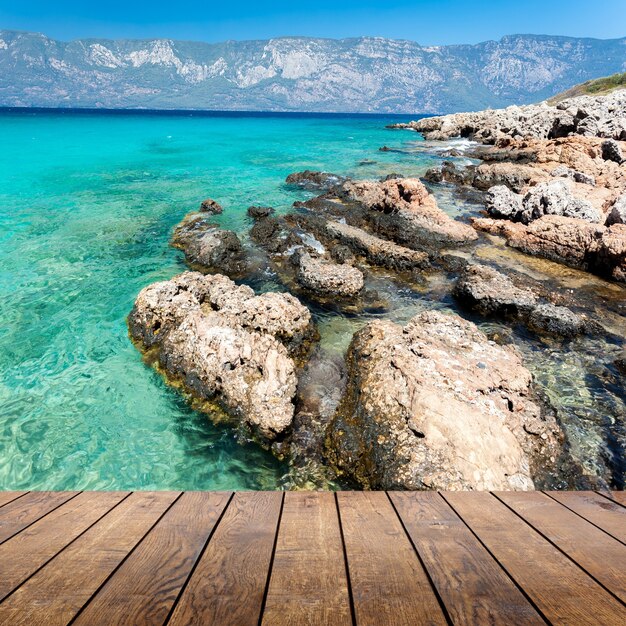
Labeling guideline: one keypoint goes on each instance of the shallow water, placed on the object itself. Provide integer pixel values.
(87, 204)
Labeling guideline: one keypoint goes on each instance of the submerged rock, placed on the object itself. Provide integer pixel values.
(211, 206)
(314, 181)
(436, 405)
(324, 277)
(226, 345)
(403, 210)
(257, 212)
(208, 247)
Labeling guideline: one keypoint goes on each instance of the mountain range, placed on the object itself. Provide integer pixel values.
(297, 73)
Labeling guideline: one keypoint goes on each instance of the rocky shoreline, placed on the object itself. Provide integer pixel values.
(434, 402)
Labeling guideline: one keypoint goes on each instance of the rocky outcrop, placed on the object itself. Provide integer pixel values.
(315, 181)
(573, 242)
(208, 247)
(403, 210)
(550, 198)
(490, 292)
(211, 207)
(436, 405)
(595, 116)
(226, 345)
(325, 277)
(258, 212)
(377, 251)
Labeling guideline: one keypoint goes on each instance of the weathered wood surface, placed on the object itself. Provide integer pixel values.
(311, 558)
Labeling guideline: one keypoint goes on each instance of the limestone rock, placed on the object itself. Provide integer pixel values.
(436, 405)
(324, 277)
(226, 345)
(211, 206)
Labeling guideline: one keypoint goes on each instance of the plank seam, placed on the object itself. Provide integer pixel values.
(610, 499)
(442, 604)
(565, 554)
(200, 555)
(492, 555)
(117, 567)
(271, 563)
(14, 499)
(40, 517)
(345, 563)
(64, 547)
(547, 493)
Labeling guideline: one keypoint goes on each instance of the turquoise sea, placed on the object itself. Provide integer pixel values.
(88, 201)
(87, 204)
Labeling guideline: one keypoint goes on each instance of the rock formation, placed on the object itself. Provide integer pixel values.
(436, 405)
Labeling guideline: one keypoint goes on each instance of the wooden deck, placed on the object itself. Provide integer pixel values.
(366, 558)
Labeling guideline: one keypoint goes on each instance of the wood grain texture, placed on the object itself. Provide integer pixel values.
(559, 588)
(471, 584)
(33, 547)
(22, 512)
(609, 516)
(134, 594)
(57, 592)
(389, 585)
(618, 496)
(9, 496)
(599, 554)
(229, 582)
(308, 586)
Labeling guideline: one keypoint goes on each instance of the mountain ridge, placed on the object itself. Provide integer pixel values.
(362, 74)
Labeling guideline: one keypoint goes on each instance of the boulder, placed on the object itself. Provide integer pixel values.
(562, 171)
(555, 198)
(489, 292)
(404, 211)
(611, 151)
(377, 251)
(503, 203)
(208, 247)
(258, 212)
(617, 213)
(436, 405)
(314, 181)
(327, 278)
(226, 346)
(211, 207)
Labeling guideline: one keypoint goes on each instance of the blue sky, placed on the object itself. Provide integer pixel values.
(428, 22)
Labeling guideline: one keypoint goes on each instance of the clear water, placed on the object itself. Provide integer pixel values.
(87, 204)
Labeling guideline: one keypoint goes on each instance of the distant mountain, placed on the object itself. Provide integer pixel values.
(298, 73)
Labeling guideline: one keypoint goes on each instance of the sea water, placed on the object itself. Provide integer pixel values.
(88, 201)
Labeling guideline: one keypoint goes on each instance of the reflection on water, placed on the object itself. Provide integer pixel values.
(87, 204)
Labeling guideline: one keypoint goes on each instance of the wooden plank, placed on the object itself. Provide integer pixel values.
(228, 585)
(559, 588)
(599, 554)
(609, 516)
(29, 550)
(618, 496)
(145, 587)
(470, 582)
(389, 585)
(9, 496)
(17, 515)
(309, 583)
(58, 591)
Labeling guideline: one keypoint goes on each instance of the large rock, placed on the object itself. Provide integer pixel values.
(617, 213)
(208, 247)
(436, 405)
(489, 292)
(405, 211)
(314, 181)
(210, 206)
(226, 345)
(504, 203)
(376, 250)
(327, 278)
(573, 242)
